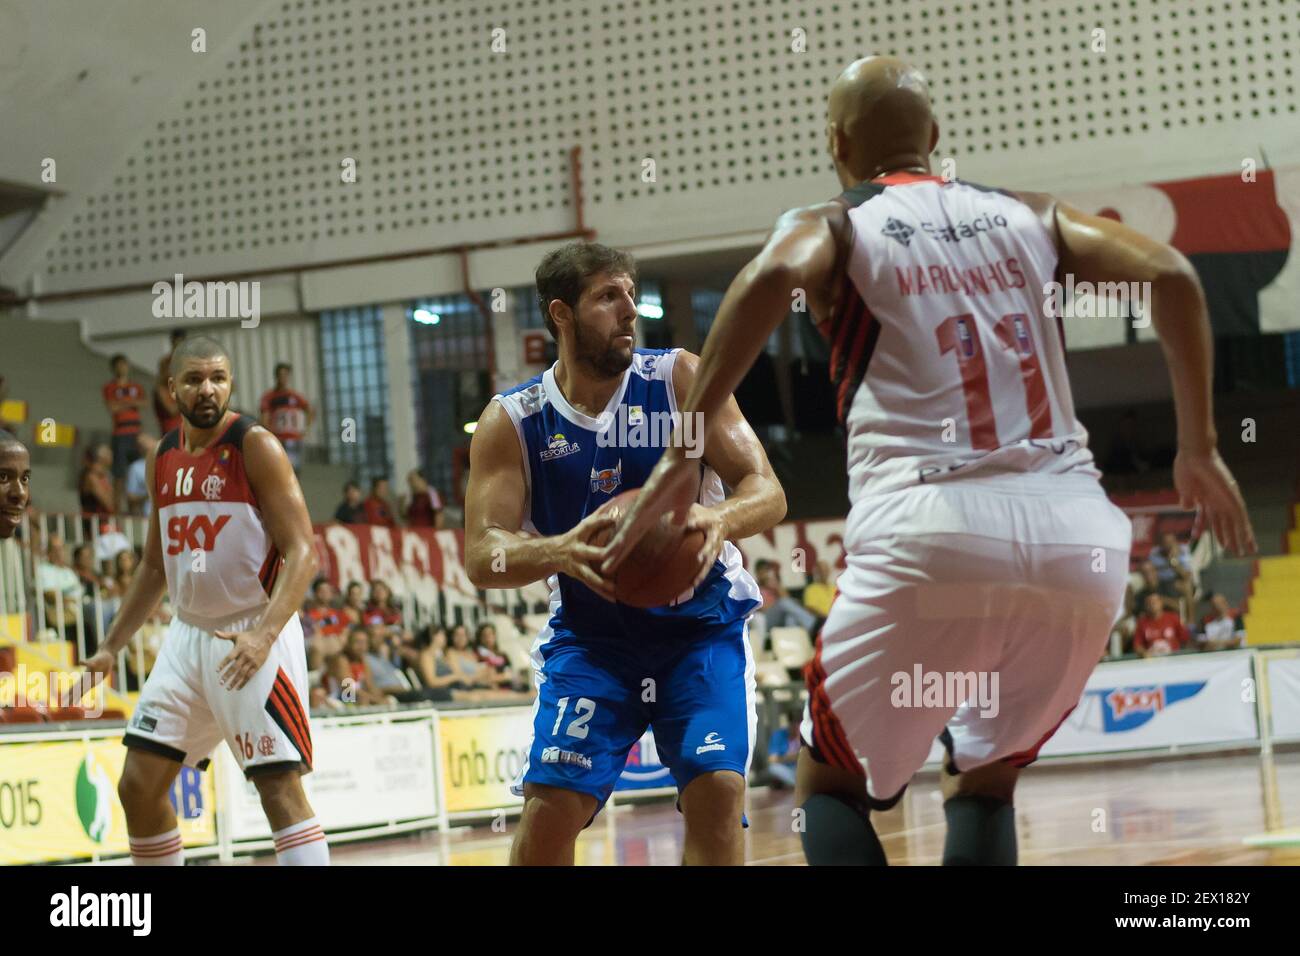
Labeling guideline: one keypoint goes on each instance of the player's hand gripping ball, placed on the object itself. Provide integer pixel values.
(667, 562)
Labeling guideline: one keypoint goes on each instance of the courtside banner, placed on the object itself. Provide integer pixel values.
(482, 751)
(1162, 702)
(58, 801)
(369, 771)
(1284, 695)
(644, 770)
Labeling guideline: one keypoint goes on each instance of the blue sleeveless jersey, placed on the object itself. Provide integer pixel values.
(575, 463)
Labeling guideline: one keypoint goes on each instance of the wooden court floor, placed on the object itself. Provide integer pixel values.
(1188, 810)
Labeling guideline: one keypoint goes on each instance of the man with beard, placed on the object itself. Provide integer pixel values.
(236, 562)
(545, 456)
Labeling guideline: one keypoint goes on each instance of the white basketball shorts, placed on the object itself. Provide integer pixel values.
(971, 610)
(184, 712)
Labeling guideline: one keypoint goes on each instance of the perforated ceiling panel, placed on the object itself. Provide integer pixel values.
(455, 142)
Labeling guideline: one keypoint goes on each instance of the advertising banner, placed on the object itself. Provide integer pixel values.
(366, 774)
(58, 801)
(1284, 690)
(482, 752)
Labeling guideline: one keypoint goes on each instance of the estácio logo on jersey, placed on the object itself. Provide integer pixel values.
(957, 231)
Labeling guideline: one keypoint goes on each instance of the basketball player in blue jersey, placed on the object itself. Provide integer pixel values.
(992, 550)
(545, 456)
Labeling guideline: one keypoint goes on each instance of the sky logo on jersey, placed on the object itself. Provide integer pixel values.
(1127, 708)
(607, 479)
(557, 446)
(897, 229)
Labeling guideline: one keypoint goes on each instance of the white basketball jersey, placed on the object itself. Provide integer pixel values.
(220, 561)
(944, 362)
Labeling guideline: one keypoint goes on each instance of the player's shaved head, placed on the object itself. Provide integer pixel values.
(879, 119)
(199, 347)
(8, 441)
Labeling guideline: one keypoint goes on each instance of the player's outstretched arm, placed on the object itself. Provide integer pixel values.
(757, 500)
(496, 554)
(1094, 249)
(800, 254)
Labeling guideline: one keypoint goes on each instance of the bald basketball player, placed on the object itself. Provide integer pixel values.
(979, 541)
(15, 483)
(236, 559)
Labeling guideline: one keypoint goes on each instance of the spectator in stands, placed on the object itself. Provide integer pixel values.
(779, 609)
(164, 406)
(355, 651)
(339, 683)
(1222, 627)
(380, 609)
(497, 665)
(783, 753)
(352, 509)
(328, 620)
(95, 486)
(434, 668)
(378, 509)
(83, 562)
(465, 663)
(287, 414)
(1173, 564)
(125, 402)
(425, 507)
(137, 487)
(124, 566)
(354, 602)
(60, 588)
(1151, 584)
(1159, 631)
(820, 592)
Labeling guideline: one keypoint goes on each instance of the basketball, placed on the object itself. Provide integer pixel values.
(661, 566)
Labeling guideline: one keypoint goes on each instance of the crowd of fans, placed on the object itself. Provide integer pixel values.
(360, 651)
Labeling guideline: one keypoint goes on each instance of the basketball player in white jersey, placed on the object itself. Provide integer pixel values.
(979, 541)
(230, 541)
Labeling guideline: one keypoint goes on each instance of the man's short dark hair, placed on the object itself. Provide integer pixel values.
(351, 484)
(564, 274)
(283, 365)
(199, 347)
(119, 357)
(374, 482)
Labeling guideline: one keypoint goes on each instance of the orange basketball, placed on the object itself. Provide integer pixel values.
(663, 563)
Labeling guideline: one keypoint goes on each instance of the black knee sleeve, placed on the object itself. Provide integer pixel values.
(837, 831)
(981, 832)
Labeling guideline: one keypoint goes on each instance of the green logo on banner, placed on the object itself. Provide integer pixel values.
(94, 799)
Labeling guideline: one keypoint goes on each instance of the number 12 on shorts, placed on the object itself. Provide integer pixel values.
(583, 711)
